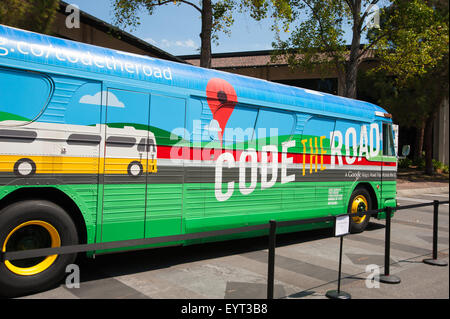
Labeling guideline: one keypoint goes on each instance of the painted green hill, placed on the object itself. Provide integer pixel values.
(5, 116)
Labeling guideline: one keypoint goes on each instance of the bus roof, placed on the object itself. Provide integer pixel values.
(32, 47)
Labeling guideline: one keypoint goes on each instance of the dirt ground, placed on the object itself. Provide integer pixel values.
(411, 178)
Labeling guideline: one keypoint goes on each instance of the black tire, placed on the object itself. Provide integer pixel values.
(133, 173)
(38, 224)
(19, 163)
(359, 201)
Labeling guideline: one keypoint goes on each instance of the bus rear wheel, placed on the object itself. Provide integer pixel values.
(34, 224)
(360, 201)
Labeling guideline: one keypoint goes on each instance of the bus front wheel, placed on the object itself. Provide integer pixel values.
(360, 201)
(33, 224)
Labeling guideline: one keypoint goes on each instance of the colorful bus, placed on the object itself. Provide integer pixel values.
(98, 145)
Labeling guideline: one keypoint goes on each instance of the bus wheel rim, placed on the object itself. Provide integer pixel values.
(359, 204)
(40, 266)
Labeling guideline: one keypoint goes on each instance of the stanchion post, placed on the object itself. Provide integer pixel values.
(271, 261)
(387, 278)
(435, 261)
(340, 232)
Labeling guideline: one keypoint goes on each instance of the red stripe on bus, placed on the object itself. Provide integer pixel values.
(209, 154)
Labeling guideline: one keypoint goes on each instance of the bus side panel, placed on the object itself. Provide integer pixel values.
(60, 147)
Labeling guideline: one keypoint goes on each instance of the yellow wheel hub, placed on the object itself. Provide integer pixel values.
(31, 235)
(359, 204)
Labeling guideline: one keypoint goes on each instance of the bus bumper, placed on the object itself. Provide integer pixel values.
(387, 203)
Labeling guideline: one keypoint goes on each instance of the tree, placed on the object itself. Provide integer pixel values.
(408, 103)
(216, 16)
(416, 53)
(33, 15)
(317, 40)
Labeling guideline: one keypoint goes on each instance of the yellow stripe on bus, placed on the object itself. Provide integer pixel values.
(75, 165)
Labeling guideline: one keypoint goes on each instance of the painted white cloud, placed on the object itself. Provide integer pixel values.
(97, 99)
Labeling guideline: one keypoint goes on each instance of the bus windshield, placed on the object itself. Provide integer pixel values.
(388, 140)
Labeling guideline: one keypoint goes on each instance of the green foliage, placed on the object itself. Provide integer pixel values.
(417, 40)
(437, 164)
(317, 39)
(440, 167)
(316, 31)
(222, 18)
(413, 55)
(127, 13)
(280, 10)
(404, 162)
(409, 102)
(419, 163)
(33, 15)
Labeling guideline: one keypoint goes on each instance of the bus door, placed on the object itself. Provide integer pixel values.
(165, 181)
(125, 165)
(389, 166)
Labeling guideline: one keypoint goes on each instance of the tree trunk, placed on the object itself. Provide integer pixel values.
(428, 141)
(419, 141)
(350, 79)
(205, 35)
(353, 61)
(341, 79)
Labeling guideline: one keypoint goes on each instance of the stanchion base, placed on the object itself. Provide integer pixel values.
(435, 262)
(334, 294)
(390, 279)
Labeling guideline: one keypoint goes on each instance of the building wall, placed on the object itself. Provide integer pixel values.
(88, 34)
(441, 134)
(97, 32)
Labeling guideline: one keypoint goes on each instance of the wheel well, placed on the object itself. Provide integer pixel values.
(371, 191)
(52, 195)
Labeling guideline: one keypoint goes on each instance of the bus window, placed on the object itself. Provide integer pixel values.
(167, 119)
(388, 140)
(273, 127)
(24, 96)
(239, 126)
(193, 121)
(120, 141)
(316, 135)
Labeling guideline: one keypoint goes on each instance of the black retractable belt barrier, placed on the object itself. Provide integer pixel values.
(339, 294)
(41, 252)
(271, 261)
(387, 278)
(435, 261)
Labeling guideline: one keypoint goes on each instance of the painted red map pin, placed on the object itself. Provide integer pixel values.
(221, 98)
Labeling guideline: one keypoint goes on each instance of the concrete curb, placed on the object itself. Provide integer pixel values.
(420, 191)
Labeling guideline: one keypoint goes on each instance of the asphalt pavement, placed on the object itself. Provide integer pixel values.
(306, 263)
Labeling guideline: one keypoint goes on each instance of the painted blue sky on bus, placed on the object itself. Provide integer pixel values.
(23, 47)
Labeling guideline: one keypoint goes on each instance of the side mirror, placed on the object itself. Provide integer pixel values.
(405, 150)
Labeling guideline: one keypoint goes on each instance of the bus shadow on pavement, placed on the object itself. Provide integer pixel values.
(374, 226)
(133, 262)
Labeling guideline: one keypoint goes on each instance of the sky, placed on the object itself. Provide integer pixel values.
(176, 29)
